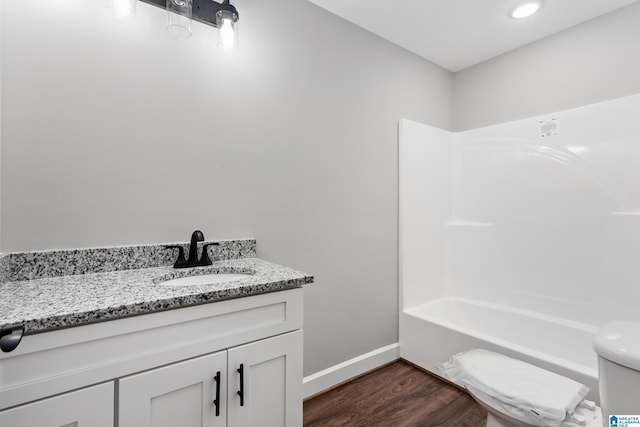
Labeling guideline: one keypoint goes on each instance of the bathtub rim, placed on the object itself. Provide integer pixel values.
(416, 312)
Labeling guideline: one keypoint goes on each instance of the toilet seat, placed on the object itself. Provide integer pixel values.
(526, 392)
(519, 394)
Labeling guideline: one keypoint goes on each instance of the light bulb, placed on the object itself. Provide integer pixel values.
(227, 24)
(227, 35)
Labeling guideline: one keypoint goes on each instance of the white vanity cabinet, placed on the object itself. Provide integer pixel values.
(161, 368)
(258, 384)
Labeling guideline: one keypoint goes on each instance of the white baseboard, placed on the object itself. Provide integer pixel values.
(341, 372)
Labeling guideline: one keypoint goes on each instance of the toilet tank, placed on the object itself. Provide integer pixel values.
(618, 347)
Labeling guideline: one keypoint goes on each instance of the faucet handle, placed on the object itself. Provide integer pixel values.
(205, 260)
(180, 262)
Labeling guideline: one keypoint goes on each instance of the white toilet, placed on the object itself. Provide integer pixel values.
(618, 347)
(517, 394)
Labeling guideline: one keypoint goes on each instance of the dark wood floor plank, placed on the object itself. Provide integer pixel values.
(398, 395)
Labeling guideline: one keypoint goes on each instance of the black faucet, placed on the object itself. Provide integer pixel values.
(192, 261)
(196, 237)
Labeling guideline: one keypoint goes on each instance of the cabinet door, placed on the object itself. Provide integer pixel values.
(89, 407)
(181, 395)
(271, 382)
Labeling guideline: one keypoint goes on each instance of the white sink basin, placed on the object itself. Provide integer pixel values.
(205, 279)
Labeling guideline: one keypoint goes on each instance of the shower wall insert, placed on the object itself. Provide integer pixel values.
(522, 237)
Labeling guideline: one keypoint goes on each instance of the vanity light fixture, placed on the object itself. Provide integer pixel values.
(223, 16)
(525, 10)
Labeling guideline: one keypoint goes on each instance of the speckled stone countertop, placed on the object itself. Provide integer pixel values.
(77, 296)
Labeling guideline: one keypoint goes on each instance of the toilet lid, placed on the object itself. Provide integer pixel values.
(526, 392)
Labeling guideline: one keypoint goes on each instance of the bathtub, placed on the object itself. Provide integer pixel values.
(433, 332)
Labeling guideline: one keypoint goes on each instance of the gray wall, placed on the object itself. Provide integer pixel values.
(114, 133)
(1, 62)
(593, 62)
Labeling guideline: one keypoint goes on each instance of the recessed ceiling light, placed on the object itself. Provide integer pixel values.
(525, 10)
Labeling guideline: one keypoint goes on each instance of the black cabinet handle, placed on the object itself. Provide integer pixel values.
(241, 391)
(10, 337)
(217, 401)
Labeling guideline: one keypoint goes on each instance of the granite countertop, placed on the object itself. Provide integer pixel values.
(77, 298)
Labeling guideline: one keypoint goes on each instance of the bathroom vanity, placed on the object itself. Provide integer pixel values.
(126, 347)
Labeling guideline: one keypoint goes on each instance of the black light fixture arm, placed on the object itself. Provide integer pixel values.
(203, 11)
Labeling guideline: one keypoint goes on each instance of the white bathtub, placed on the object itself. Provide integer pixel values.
(433, 332)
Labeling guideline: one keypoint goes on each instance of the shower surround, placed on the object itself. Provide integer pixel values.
(522, 237)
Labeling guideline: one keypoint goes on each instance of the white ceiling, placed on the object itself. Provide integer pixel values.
(457, 34)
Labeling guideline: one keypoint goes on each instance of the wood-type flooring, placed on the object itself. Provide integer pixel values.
(396, 395)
